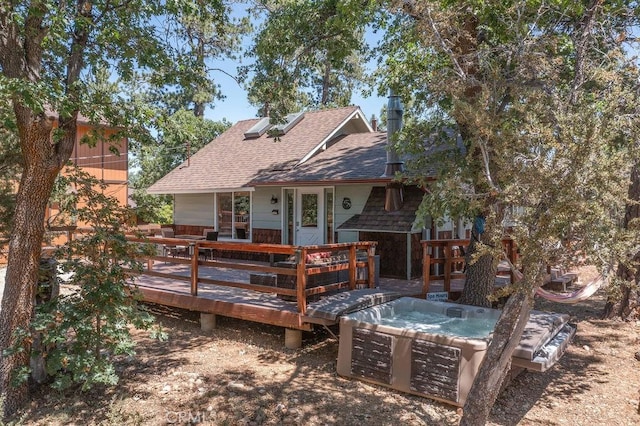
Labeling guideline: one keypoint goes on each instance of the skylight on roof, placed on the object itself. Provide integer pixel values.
(291, 120)
(258, 129)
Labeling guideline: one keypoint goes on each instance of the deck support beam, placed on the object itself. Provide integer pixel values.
(207, 321)
(292, 338)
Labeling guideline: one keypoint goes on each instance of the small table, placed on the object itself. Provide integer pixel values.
(190, 237)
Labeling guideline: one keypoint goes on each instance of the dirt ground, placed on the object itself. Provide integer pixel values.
(241, 374)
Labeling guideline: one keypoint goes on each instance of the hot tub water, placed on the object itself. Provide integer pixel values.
(438, 323)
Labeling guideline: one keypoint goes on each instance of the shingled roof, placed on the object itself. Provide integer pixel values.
(353, 158)
(375, 218)
(232, 161)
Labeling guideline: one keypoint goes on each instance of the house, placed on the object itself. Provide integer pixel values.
(324, 179)
(110, 167)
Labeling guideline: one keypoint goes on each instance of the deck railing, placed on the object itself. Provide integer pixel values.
(301, 269)
(444, 260)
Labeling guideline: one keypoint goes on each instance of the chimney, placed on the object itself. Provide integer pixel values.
(393, 194)
(374, 123)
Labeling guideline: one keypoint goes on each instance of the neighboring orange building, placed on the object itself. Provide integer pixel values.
(99, 161)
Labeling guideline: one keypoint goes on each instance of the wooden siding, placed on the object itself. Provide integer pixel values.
(416, 256)
(392, 248)
(97, 160)
(268, 236)
(371, 355)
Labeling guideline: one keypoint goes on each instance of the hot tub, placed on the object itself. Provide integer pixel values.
(434, 349)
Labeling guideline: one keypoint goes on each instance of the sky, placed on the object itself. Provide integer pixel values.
(235, 106)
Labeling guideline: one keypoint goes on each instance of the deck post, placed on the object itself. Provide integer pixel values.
(352, 267)
(426, 269)
(207, 321)
(292, 338)
(193, 248)
(372, 266)
(301, 280)
(447, 267)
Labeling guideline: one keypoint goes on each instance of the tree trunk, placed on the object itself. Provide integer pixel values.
(43, 161)
(198, 103)
(326, 82)
(22, 276)
(628, 306)
(497, 360)
(481, 274)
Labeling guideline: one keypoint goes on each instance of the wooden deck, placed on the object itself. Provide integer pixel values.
(247, 304)
(295, 294)
(288, 295)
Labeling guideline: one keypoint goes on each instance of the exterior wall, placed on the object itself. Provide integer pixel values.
(193, 209)
(451, 227)
(100, 162)
(264, 218)
(266, 236)
(262, 209)
(416, 256)
(392, 248)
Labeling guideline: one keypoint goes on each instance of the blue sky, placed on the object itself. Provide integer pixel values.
(235, 106)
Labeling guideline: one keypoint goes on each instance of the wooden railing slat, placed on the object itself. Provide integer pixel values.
(301, 271)
(430, 257)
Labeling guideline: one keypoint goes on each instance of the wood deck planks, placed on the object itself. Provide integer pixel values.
(169, 284)
(231, 302)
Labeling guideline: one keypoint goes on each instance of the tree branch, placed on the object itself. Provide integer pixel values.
(409, 6)
(582, 45)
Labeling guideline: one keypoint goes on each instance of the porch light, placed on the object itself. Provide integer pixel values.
(274, 200)
(275, 211)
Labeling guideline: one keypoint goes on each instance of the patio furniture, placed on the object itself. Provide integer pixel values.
(172, 249)
(210, 236)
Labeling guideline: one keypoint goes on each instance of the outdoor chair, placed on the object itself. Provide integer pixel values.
(172, 249)
(210, 236)
(241, 233)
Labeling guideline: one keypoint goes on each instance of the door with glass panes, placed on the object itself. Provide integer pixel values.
(309, 221)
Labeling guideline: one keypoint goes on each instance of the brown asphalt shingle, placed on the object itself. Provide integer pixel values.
(352, 158)
(375, 218)
(230, 161)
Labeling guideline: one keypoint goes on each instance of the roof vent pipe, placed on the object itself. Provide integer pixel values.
(393, 194)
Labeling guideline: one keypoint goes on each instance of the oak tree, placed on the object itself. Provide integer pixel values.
(50, 53)
(525, 114)
(308, 54)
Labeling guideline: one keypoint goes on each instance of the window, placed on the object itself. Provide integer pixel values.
(234, 213)
(329, 214)
(309, 210)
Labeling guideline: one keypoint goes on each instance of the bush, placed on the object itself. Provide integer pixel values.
(84, 329)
